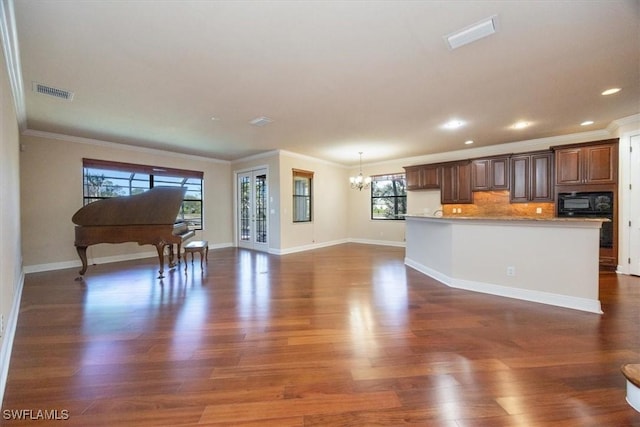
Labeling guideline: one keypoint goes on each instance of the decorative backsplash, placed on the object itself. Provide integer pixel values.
(496, 203)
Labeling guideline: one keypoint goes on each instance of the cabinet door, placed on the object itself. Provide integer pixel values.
(463, 182)
(520, 178)
(448, 191)
(414, 179)
(568, 166)
(456, 183)
(431, 175)
(541, 177)
(600, 164)
(499, 170)
(480, 175)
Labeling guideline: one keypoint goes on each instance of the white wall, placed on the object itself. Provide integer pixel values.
(11, 275)
(51, 192)
(329, 205)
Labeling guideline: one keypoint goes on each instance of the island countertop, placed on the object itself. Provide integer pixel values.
(574, 220)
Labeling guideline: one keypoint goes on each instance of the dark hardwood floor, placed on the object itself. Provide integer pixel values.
(341, 336)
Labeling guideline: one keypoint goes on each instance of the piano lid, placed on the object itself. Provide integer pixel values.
(159, 205)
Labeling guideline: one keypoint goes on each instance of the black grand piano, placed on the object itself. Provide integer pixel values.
(148, 218)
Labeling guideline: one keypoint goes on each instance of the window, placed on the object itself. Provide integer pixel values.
(302, 201)
(388, 196)
(104, 179)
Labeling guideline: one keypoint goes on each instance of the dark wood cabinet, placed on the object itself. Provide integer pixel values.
(532, 177)
(587, 164)
(455, 184)
(422, 177)
(490, 174)
(586, 167)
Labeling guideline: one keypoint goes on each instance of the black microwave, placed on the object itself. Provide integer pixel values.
(585, 203)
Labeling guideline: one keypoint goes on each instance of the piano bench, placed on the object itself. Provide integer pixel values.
(200, 246)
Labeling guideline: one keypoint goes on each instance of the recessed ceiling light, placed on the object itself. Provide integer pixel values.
(453, 124)
(520, 125)
(586, 123)
(468, 142)
(214, 119)
(611, 91)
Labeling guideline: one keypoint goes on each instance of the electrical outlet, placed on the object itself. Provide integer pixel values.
(538, 210)
(511, 271)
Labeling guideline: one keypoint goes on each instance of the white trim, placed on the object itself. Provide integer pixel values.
(266, 154)
(117, 145)
(377, 242)
(311, 247)
(499, 149)
(633, 396)
(38, 268)
(12, 60)
(306, 247)
(624, 121)
(310, 158)
(9, 335)
(576, 303)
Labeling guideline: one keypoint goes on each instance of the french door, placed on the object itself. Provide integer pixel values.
(253, 210)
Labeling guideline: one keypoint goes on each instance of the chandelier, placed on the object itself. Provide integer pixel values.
(360, 181)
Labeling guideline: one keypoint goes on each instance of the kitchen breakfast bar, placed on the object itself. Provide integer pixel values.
(546, 260)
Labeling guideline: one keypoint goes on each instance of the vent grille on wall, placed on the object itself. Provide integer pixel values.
(52, 91)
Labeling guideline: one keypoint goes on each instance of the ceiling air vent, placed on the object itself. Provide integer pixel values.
(472, 33)
(52, 91)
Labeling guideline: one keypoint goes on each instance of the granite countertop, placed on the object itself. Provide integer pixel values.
(508, 218)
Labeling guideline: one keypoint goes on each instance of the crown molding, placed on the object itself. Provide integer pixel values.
(118, 146)
(9, 38)
(498, 149)
(629, 120)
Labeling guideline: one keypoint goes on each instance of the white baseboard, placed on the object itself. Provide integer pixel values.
(333, 243)
(306, 247)
(378, 242)
(9, 334)
(37, 268)
(576, 303)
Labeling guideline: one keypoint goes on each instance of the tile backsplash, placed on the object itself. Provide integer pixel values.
(496, 203)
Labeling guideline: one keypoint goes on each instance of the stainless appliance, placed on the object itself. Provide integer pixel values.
(589, 205)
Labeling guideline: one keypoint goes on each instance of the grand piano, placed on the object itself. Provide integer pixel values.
(147, 218)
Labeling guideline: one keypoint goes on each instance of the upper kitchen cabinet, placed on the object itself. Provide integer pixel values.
(532, 177)
(587, 164)
(456, 183)
(490, 174)
(422, 177)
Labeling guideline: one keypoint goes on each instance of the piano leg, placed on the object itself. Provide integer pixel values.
(82, 253)
(172, 262)
(160, 248)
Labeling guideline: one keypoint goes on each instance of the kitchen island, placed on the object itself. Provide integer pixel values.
(547, 260)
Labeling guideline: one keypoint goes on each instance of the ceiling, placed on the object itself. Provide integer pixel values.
(335, 77)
